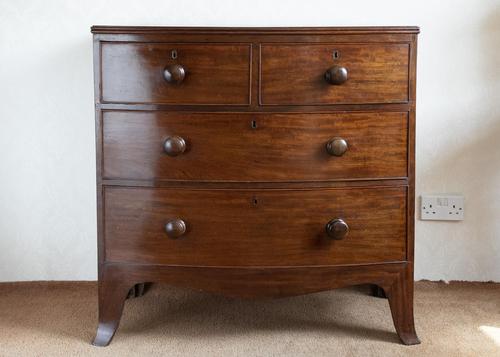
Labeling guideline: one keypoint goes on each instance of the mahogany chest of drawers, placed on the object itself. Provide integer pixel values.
(256, 162)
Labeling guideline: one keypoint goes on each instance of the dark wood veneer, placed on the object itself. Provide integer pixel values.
(215, 73)
(246, 199)
(293, 74)
(254, 147)
(255, 227)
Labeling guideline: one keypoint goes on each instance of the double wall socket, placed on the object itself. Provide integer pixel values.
(442, 207)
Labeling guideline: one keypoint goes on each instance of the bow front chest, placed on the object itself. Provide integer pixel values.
(255, 162)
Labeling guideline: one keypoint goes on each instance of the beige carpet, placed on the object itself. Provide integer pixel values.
(58, 319)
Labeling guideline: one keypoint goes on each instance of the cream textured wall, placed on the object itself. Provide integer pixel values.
(47, 181)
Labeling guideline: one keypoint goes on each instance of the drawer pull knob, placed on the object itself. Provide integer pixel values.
(175, 228)
(337, 229)
(337, 146)
(336, 75)
(174, 73)
(174, 146)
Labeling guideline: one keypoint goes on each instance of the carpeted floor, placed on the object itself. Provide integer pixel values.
(58, 319)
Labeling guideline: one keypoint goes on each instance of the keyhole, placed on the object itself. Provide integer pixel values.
(173, 54)
(336, 54)
(254, 201)
(254, 124)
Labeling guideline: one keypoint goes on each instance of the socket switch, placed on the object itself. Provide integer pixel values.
(443, 207)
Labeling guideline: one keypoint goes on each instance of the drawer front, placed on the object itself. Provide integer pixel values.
(294, 74)
(254, 147)
(254, 228)
(213, 73)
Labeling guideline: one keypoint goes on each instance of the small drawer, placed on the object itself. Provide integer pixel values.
(255, 227)
(318, 74)
(254, 147)
(172, 73)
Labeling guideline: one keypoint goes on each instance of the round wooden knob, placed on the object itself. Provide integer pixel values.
(337, 229)
(337, 146)
(336, 75)
(174, 146)
(174, 73)
(175, 228)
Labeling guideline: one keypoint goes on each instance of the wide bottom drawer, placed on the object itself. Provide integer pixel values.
(255, 227)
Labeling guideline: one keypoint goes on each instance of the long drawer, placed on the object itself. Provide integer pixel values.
(254, 147)
(255, 227)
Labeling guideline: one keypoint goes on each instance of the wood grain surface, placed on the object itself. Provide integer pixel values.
(215, 73)
(254, 147)
(255, 227)
(293, 74)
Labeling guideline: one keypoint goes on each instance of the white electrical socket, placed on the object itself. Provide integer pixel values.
(443, 207)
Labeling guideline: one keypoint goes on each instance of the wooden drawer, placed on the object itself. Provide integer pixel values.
(294, 74)
(255, 227)
(254, 147)
(214, 73)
